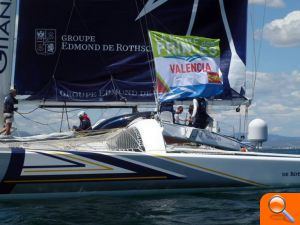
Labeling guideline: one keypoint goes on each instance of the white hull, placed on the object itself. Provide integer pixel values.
(81, 165)
(183, 133)
(52, 171)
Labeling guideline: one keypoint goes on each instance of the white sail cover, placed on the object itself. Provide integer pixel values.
(7, 31)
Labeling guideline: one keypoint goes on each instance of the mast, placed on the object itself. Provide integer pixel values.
(8, 9)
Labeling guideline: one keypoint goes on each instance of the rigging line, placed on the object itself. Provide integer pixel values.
(62, 118)
(259, 48)
(150, 58)
(242, 122)
(67, 115)
(254, 56)
(23, 113)
(60, 51)
(251, 12)
(88, 30)
(81, 19)
(144, 38)
(54, 111)
(45, 124)
(118, 113)
(193, 17)
(261, 34)
(160, 23)
(152, 74)
(117, 93)
(246, 120)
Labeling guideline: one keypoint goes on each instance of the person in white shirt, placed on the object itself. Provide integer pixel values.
(177, 118)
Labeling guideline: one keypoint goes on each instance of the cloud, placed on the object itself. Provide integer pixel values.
(276, 101)
(275, 108)
(269, 3)
(283, 32)
(276, 129)
(296, 75)
(296, 94)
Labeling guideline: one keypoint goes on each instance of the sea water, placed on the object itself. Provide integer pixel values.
(208, 208)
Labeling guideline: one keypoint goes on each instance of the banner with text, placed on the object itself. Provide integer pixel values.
(186, 66)
(95, 50)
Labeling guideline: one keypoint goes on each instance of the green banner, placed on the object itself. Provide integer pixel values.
(186, 66)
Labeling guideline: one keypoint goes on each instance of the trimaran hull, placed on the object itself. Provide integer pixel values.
(25, 171)
(175, 133)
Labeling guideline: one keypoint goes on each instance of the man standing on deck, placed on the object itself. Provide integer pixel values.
(199, 116)
(8, 112)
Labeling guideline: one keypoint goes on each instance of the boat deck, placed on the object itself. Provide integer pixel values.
(98, 143)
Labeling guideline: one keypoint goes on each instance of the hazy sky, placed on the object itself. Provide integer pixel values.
(273, 52)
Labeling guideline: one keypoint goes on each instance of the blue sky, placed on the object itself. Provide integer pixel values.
(277, 89)
(273, 57)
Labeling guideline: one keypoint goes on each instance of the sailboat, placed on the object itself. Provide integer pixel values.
(98, 55)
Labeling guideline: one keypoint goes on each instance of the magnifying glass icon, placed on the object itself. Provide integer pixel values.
(277, 205)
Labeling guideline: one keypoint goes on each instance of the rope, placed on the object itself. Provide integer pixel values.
(261, 36)
(67, 115)
(246, 120)
(24, 113)
(256, 57)
(60, 51)
(54, 111)
(45, 124)
(151, 67)
(62, 118)
(240, 124)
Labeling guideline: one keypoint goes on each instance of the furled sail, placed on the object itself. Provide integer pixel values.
(95, 50)
(186, 67)
(7, 44)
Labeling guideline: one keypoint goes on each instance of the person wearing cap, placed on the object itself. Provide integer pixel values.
(8, 112)
(85, 122)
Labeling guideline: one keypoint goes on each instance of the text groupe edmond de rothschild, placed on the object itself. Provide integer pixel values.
(88, 43)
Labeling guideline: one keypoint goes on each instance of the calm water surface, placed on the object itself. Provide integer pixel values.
(207, 208)
(234, 207)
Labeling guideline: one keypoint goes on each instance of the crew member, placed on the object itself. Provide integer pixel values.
(8, 112)
(85, 122)
(200, 117)
(177, 118)
(190, 111)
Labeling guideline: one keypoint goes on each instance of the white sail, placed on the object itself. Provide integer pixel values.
(7, 32)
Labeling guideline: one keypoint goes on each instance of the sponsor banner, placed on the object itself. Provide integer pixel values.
(45, 41)
(186, 66)
(87, 42)
(115, 90)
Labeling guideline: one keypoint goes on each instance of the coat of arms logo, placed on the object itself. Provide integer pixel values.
(45, 41)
